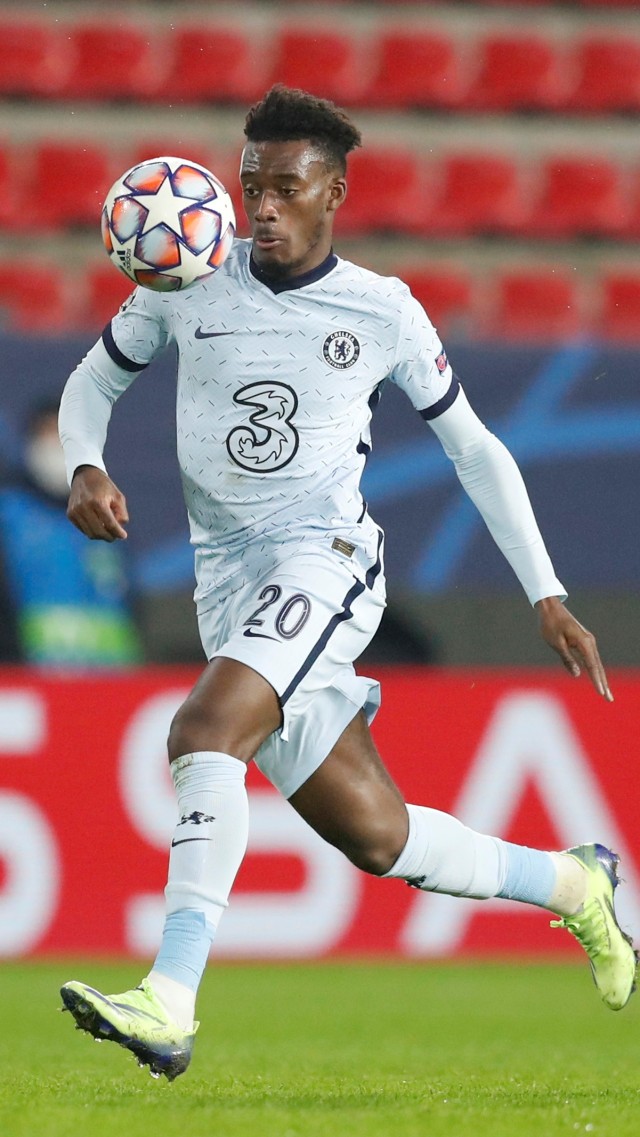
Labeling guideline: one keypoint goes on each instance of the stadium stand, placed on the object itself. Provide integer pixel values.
(499, 139)
(580, 196)
(39, 300)
(106, 290)
(619, 316)
(328, 63)
(387, 193)
(215, 64)
(421, 69)
(107, 66)
(530, 302)
(479, 193)
(444, 292)
(608, 75)
(9, 197)
(523, 72)
(67, 181)
(35, 59)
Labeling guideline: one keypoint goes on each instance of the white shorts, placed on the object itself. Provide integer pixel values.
(300, 624)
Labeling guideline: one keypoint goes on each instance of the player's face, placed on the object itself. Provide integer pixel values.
(290, 197)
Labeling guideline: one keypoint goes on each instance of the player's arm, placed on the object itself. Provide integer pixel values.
(492, 480)
(96, 506)
(490, 476)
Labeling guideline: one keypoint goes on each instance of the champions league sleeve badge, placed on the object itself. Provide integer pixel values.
(341, 350)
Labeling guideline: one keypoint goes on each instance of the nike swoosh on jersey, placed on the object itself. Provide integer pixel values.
(259, 635)
(185, 841)
(200, 335)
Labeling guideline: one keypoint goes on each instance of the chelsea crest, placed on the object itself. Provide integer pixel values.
(341, 349)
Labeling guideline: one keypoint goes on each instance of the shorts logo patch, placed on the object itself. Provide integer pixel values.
(441, 362)
(342, 546)
(341, 350)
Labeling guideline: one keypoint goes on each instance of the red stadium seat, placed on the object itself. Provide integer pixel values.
(156, 146)
(115, 60)
(632, 227)
(68, 184)
(608, 75)
(609, 3)
(420, 69)
(444, 292)
(106, 289)
(35, 58)
(211, 64)
(10, 190)
(387, 193)
(581, 196)
(517, 72)
(620, 306)
(35, 297)
(603, 4)
(479, 193)
(331, 64)
(535, 304)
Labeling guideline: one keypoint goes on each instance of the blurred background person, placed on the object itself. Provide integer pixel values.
(63, 601)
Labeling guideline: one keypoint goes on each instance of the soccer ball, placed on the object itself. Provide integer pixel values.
(167, 222)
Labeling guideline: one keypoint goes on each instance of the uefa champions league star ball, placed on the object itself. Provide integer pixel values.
(167, 222)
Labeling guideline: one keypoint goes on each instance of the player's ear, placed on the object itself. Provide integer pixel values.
(337, 194)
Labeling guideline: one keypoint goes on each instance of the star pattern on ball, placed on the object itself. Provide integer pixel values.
(164, 208)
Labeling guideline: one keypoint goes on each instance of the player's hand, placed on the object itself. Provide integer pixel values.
(96, 505)
(575, 645)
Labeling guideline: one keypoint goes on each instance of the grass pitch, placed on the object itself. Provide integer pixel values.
(356, 1050)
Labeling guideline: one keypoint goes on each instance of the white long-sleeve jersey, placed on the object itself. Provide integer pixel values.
(276, 388)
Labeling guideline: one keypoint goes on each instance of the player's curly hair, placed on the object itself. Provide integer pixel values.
(287, 114)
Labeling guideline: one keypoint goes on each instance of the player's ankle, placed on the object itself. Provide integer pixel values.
(570, 891)
(177, 999)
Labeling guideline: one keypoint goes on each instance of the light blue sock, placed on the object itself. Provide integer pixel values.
(186, 942)
(530, 877)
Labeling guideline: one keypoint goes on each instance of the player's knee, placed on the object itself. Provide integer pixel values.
(186, 727)
(197, 727)
(207, 724)
(376, 856)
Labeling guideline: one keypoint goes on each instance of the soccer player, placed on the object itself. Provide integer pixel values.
(282, 357)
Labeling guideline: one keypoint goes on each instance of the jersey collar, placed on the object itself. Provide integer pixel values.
(292, 282)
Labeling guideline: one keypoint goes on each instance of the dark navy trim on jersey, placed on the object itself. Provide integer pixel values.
(334, 622)
(374, 399)
(116, 355)
(376, 395)
(444, 403)
(345, 614)
(293, 282)
(375, 569)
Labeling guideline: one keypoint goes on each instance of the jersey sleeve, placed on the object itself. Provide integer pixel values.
(489, 474)
(134, 337)
(421, 368)
(139, 331)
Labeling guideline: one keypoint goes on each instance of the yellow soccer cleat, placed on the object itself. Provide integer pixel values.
(136, 1020)
(611, 953)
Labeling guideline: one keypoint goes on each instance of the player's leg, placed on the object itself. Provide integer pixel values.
(229, 713)
(215, 733)
(352, 802)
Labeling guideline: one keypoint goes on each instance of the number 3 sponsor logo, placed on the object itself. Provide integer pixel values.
(270, 440)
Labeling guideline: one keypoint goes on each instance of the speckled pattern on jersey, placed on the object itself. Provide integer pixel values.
(275, 395)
